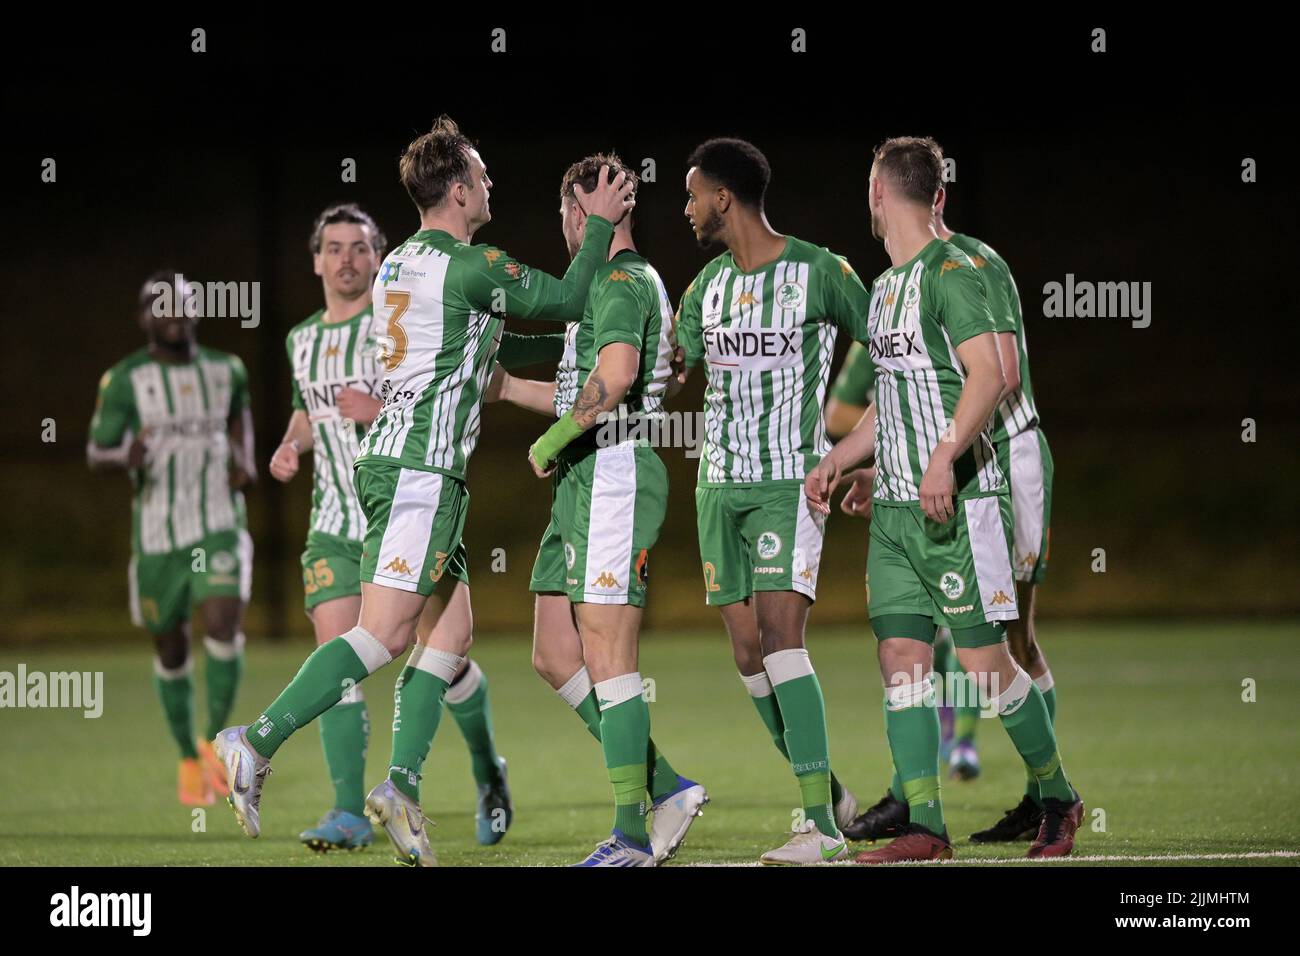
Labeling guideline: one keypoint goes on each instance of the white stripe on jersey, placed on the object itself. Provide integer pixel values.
(652, 399)
(155, 496)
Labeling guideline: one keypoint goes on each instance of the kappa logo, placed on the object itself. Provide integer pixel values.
(1029, 560)
(952, 584)
(491, 255)
(435, 572)
(746, 298)
(980, 261)
(391, 272)
(331, 351)
(222, 562)
(569, 555)
(605, 580)
(845, 268)
(1001, 597)
(950, 264)
(398, 566)
(790, 295)
(618, 275)
(769, 545)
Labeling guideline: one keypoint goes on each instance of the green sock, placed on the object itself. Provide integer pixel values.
(895, 781)
(319, 684)
(176, 692)
(1030, 729)
(417, 709)
(344, 736)
(1031, 782)
(625, 738)
(803, 711)
(663, 778)
(769, 711)
(913, 728)
(473, 715)
(221, 672)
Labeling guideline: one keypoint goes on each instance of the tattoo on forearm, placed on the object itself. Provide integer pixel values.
(591, 401)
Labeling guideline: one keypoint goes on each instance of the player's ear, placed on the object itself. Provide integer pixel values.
(723, 199)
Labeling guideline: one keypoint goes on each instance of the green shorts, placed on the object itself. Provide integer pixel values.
(956, 574)
(164, 586)
(331, 568)
(758, 538)
(1026, 462)
(414, 522)
(607, 508)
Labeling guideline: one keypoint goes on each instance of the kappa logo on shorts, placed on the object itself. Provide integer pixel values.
(435, 572)
(801, 562)
(605, 580)
(569, 555)
(222, 562)
(952, 584)
(398, 566)
(769, 545)
(1029, 560)
(1001, 597)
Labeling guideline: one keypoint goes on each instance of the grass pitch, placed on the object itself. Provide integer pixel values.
(1152, 725)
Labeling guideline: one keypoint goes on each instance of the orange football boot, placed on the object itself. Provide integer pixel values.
(192, 787)
(213, 769)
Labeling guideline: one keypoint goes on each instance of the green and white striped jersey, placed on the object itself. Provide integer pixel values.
(182, 492)
(1017, 412)
(920, 312)
(627, 303)
(327, 357)
(768, 338)
(439, 308)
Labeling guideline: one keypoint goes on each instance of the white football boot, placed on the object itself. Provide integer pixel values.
(403, 821)
(846, 808)
(672, 816)
(246, 771)
(808, 845)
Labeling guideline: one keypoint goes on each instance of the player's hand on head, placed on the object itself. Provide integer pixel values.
(284, 463)
(610, 200)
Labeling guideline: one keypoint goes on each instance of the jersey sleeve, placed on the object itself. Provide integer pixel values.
(239, 395)
(856, 377)
(115, 411)
(496, 283)
(517, 351)
(618, 312)
(848, 302)
(998, 291)
(688, 324)
(961, 302)
(295, 397)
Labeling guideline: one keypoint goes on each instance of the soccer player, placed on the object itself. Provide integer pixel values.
(608, 504)
(762, 317)
(176, 417)
(940, 524)
(441, 303)
(1026, 463)
(332, 355)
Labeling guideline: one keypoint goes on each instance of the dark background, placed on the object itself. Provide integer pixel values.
(1122, 166)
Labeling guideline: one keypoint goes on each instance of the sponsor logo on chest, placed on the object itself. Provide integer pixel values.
(895, 322)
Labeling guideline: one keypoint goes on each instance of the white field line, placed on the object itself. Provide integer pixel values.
(1150, 858)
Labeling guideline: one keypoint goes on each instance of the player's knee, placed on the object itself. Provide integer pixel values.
(172, 648)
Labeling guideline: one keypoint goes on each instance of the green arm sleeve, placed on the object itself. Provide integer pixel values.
(517, 351)
(856, 377)
(617, 310)
(114, 410)
(999, 291)
(961, 302)
(295, 396)
(848, 300)
(239, 395)
(499, 284)
(688, 323)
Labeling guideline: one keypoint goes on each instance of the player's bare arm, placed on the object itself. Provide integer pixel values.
(854, 448)
(615, 370)
(979, 396)
(243, 466)
(297, 439)
(526, 393)
(358, 406)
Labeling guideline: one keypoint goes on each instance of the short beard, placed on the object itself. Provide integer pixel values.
(710, 229)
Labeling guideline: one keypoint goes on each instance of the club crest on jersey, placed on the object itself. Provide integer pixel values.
(790, 295)
(569, 555)
(222, 562)
(912, 296)
(952, 584)
(391, 272)
(769, 545)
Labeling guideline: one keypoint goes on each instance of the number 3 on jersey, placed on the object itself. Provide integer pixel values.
(393, 345)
